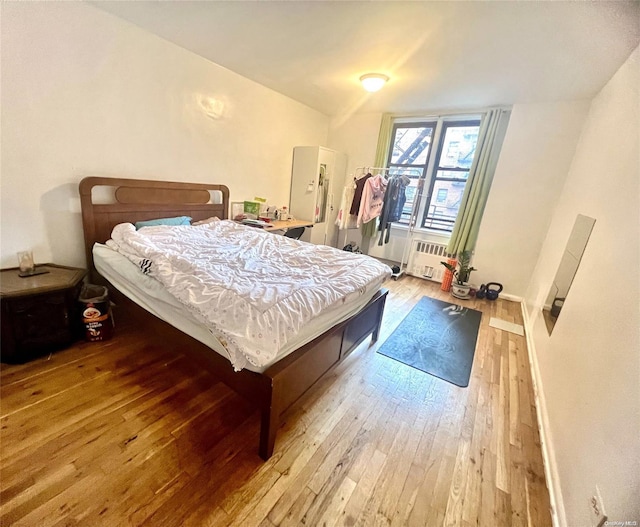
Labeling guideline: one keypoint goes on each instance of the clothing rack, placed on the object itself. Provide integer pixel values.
(362, 171)
(359, 173)
(395, 171)
(412, 215)
(412, 227)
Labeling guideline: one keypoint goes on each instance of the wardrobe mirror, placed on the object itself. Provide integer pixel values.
(322, 195)
(567, 270)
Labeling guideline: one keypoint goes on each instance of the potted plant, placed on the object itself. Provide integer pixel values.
(460, 286)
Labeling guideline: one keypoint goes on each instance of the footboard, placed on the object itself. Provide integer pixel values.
(295, 374)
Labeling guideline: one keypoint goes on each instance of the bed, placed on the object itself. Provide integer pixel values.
(107, 202)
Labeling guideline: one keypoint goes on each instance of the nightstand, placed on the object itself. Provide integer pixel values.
(39, 313)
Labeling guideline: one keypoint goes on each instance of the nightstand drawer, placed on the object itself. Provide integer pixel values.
(37, 317)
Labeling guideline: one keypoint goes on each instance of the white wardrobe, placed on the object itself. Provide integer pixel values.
(317, 180)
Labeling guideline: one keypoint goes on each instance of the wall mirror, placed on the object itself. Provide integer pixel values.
(567, 269)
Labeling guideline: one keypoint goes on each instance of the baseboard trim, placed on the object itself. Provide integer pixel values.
(512, 298)
(548, 455)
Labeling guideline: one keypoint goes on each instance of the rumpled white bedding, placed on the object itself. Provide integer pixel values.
(252, 289)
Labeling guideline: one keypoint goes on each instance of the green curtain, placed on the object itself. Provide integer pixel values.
(490, 138)
(368, 230)
(384, 139)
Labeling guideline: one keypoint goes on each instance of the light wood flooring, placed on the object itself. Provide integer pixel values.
(128, 433)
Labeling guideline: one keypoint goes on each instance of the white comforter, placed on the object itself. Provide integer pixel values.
(253, 290)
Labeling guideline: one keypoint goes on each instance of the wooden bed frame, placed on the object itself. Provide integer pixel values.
(281, 384)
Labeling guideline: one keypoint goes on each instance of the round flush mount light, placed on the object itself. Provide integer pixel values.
(373, 81)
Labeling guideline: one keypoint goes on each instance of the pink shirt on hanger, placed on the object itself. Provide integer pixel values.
(372, 199)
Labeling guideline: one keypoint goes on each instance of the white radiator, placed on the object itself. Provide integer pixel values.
(425, 258)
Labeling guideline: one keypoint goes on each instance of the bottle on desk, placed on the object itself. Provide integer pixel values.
(284, 215)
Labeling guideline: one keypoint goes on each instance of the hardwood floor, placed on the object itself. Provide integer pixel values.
(128, 433)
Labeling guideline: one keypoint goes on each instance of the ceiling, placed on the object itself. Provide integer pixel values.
(439, 55)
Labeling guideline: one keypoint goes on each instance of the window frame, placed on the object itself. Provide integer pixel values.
(433, 179)
(422, 168)
(429, 170)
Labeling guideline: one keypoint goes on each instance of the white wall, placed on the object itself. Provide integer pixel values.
(84, 93)
(589, 368)
(357, 137)
(534, 161)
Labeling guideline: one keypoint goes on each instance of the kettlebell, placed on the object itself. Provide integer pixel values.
(493, 290)
(482, 292)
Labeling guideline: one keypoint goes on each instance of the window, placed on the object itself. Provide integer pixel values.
(410, 148)
(443, 178)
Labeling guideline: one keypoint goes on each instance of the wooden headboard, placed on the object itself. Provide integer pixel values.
(140, 199)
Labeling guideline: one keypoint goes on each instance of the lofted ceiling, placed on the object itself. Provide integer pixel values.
(439, 55)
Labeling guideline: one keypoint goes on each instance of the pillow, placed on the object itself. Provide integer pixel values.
(178, 220)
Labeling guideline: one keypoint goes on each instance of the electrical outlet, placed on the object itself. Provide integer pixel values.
(596, 509)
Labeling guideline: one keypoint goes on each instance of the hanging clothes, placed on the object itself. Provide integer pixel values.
(368, 230)
(357, 196)
(345, 219)
(372, 199)
(394, 200)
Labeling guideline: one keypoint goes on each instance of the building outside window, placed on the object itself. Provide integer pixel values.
(442, 195)
(440, 153)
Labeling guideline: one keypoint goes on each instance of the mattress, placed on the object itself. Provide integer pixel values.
(150, 294)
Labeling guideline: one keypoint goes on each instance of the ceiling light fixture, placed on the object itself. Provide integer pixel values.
(373, 81)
